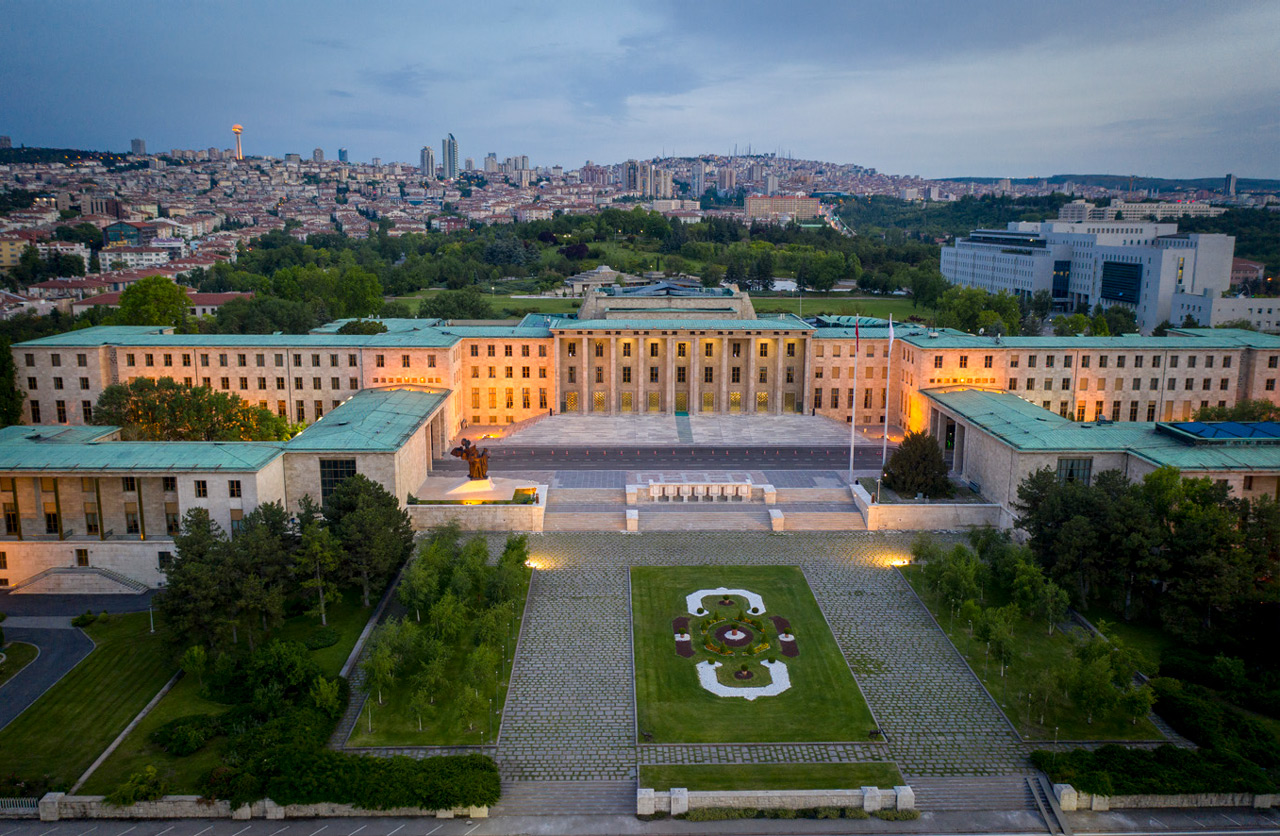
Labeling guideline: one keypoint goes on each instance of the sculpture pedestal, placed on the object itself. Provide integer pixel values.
(462, 488)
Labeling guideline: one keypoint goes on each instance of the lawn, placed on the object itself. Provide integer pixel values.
(822, 704)
(1036, 651)
(395, 725)
(839, 304)
(184, 773)
(17, 655)
(770, 776)
(503, 303)
(70, 725)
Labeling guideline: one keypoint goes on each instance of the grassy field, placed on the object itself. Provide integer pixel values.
(183, 774)
(395, 725)
(823, 703)
(78, 717)
(770, 776)
(17, 655)
(1036, 651)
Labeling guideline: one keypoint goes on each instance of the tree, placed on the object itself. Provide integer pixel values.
(164, 410)
(154, 300)
(197, 599)
(362, 326)
(379, 668)
(712, 275)
(194, 661)
(11, 397)
(317, 560)
(420, 703)
(917, 467)
(467, 303)
(372, 528)
(1246, 410)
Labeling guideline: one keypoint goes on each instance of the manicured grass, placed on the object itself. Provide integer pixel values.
(395, 725)
(1035, 651)
(1147, 640)
(62, 733)
(184, 773)
(17, 655)
(840, 304)
(501, 302)
(770, 776)
(823, 703)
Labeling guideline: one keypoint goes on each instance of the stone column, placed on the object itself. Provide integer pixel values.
(556, 371)
(669, 370)
(584, 379)
(806, 384)
(695, 377)
(750, 368)
(722, 406)
(610, 376)
(781, 381)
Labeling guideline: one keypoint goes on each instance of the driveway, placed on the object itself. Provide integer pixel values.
(61, 649)
(68, 605)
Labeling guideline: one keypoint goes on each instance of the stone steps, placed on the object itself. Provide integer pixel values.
(581, 521)
(749, 518)
(77, 580)
(840, 495)
(585, 496)
(560, 798)
(823, 521)
(986, 794)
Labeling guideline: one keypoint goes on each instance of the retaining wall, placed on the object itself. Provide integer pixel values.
(931, 516)
(482, 517)
(1069, 799)
(56, 806)
(679, 800)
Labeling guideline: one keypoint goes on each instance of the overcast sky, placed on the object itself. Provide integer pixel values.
(930, 87)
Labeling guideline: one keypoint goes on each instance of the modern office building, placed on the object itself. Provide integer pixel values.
(698, 179)
(1229, 185)
(317, 156)
(1118, 210)
(342, 155)
(1148, 267)
(427, 162)
(138, 147)
(449, 157)
(790, 206)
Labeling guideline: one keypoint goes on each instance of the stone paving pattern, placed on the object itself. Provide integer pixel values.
(577, 431)
(570, 714)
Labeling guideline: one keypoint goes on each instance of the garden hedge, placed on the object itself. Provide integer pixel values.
(307, 776)
(1168, 770)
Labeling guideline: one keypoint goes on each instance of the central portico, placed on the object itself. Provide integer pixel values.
(669, 348)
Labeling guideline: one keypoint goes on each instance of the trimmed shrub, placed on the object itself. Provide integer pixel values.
(184, 735)
(140, 786)
(1168, 770)
(897, 815)
(721, 813)
(304, 776)
(856, 813)
(84, 620)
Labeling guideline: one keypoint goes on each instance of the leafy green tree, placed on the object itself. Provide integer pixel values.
(447, 617)
(1245, 410)
(154, 300)
(11, 396)
(362, 326)
(420, 703)
(917, 467)
(379, 669)
(197, 600)
(317, 562)
(195, 660)
(372, 528)
(164, 410)
(1091, 688)
(467, 303)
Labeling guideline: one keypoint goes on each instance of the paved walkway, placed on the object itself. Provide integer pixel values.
(571, 431)
(571, 713)
(61, 649)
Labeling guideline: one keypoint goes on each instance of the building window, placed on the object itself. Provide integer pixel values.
(791, 350)
(764, 375)
(202, 489)
(61, 408)
(82, 557)
(131, 525)
(708, 375)
(653, 374)
(542, 399)
(682, 349)
(1075, 470)
(86, 410)
(233, 488)
(599, 374)
(332, 472)
(380, 361)
(653, 349)
(128, 484)
(35, 412)
(626, 374)
(764, 349)
(169, 484)
(237, 521)
(937, 361)
(681, 373)
(817, 398)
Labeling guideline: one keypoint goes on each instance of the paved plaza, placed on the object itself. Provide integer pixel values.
(572, 431)
(571, 711)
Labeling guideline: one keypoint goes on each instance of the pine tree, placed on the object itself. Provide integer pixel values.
(917, 467)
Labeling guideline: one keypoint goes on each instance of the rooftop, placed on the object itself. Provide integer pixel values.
(372, 420)
(1192, 446)
(1181, 339)
(784, 322)
(59, 449)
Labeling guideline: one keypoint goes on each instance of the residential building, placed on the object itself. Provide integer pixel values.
(138, 147)
(449, 157)
(342, 155)
(789, 206)
(427, 162)
(317, 156)
(1245, 272)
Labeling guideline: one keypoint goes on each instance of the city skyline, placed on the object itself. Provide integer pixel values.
(1169, 90)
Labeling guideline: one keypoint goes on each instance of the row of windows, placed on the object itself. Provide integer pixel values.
(682, 374)
(1135, 384)
(834, 400)
(128, 484)
(507, 350)
(526, 399)
(508, 372)
(682, 349)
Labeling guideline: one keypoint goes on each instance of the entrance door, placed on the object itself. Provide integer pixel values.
(654, 402)
(708, 401)
(682, 403)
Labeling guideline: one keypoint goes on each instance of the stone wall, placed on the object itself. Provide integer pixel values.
(933, 516)
(482, 517)
(56, 806)
(678, 800)
(1070, 800)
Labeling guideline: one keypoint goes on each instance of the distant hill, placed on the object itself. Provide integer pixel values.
(62, 155)
(1120, 181)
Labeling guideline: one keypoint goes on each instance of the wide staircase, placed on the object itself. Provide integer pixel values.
(585, 509)
(973, 793)
(731, 518)
(79, 580)
(561, 798)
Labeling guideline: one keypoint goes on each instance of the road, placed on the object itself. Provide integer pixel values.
(61, 649)
(670, 458)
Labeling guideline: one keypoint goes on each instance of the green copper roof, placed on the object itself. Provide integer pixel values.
(785, 322)
(1030, 429)
(1199, 338)
(421, 337)
(44, 449)
(373, 420)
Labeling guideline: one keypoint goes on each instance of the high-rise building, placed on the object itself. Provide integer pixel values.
(137, 147)
(317, 156)
(771, 184)
(6, 142)
(293, 158)
(727, 179)
(427, 162)
(1230, 185)
(471, 164)
(377, 162)
(491, 162)
(342, 155)
(449, 157)
(698, 179)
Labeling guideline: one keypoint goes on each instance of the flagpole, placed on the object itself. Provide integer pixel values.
(853, 402)
(884, 442)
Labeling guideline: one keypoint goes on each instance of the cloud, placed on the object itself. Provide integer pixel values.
(339, 94)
